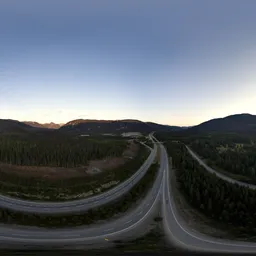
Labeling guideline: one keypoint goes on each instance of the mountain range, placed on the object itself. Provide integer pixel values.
(89, 126)
(46, 125)
(241, 123)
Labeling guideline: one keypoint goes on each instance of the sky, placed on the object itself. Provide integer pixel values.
(176, 62)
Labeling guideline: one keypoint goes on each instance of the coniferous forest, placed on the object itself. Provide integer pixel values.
(235, 154)
(225, 202)
(57, 151)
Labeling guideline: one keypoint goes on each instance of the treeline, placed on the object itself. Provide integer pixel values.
(51, 190)
(229, 203)
(58, 151)
(231, 153)
(88, 217)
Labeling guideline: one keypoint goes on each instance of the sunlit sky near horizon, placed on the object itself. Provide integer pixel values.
(177, 62)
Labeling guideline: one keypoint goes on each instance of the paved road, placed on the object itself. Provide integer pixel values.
(81, 204)
(220, 175)
(142, 143)
(131, 225)
(177, 231)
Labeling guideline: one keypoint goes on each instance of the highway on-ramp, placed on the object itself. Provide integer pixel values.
(79, 205)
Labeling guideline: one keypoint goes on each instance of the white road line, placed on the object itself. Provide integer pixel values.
(128, 221)
(79, 238)
(194, 236)
(26, 205)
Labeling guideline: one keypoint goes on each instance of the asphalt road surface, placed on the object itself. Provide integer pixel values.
(220, 175)
(76, 206)
(130, 226)
(179, 234)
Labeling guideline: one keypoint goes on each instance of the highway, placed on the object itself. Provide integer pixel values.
(177, 231)
(220, 175)
(132, 225)
(79, 205)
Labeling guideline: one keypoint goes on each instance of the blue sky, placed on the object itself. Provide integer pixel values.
(177, 62)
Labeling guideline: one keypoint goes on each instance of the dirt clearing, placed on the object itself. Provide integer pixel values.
(65, 173)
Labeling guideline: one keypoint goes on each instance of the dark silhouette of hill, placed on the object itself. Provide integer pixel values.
(89, 126)
(14, 126)
(238, 123)
(81, 126)
(164, 128)
(245, 123)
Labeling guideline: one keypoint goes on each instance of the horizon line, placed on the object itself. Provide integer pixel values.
(63, 123)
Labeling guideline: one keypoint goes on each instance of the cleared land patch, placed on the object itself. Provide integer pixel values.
(59, 183)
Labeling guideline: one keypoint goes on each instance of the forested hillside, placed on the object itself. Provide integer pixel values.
(57, 151)
(228, 203)
(239, 123)
(114, 126)
(231, 153)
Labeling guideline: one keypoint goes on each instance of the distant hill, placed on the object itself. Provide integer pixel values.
(85, 126)
(163, 128)
(46, 125)
(88, 126)
(33, 124)
(241, 123)
(13, 126)
(52, 125)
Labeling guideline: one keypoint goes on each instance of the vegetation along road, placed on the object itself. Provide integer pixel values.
(80, 204)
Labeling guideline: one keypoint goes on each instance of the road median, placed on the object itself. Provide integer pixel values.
(92, 216)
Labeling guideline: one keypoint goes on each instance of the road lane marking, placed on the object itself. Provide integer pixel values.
(100, 236)
(128, 221)
(96, 198)
(192, 235)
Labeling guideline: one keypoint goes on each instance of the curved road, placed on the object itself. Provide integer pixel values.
(220, 175)
(81, 204)
(130, 225)
(179, 234)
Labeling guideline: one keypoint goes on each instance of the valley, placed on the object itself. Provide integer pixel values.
(65, 181)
